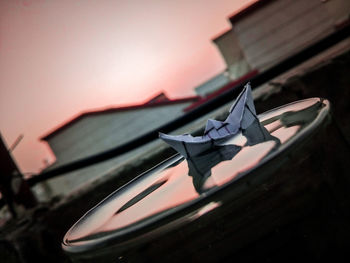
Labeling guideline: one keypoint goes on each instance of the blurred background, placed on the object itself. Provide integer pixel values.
(61, 58)
(79, 78)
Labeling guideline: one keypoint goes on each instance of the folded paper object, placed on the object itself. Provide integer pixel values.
(241, 115)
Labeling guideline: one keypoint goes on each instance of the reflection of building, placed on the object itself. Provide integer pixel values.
(97, 131)
(268, 31)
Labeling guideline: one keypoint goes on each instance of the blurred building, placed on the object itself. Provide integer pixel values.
(94, 132)
(268, 31)
(261, 35)
(212, 84)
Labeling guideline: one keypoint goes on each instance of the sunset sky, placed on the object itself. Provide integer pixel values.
(61, 57)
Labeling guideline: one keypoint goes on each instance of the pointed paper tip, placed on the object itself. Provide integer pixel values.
(165, 136)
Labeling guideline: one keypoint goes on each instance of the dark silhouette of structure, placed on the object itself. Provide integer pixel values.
(14, 189)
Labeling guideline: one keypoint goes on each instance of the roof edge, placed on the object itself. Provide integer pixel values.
(108, 110)
(247, 9)
(221, 34)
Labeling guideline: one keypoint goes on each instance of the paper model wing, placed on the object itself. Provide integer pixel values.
(216, 130)
(187, 145)
(242, 113)
(212, 124)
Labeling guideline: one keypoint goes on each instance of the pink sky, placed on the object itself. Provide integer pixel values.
(61, 57)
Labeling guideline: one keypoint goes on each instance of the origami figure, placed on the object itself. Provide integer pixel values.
(242, 115)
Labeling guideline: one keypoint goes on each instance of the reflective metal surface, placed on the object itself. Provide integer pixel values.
(179, 191)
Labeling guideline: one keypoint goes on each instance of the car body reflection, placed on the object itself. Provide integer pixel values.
(159, 196)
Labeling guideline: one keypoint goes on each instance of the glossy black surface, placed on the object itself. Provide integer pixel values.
(179, 191)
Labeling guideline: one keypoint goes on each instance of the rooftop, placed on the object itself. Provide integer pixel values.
(159, 100)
